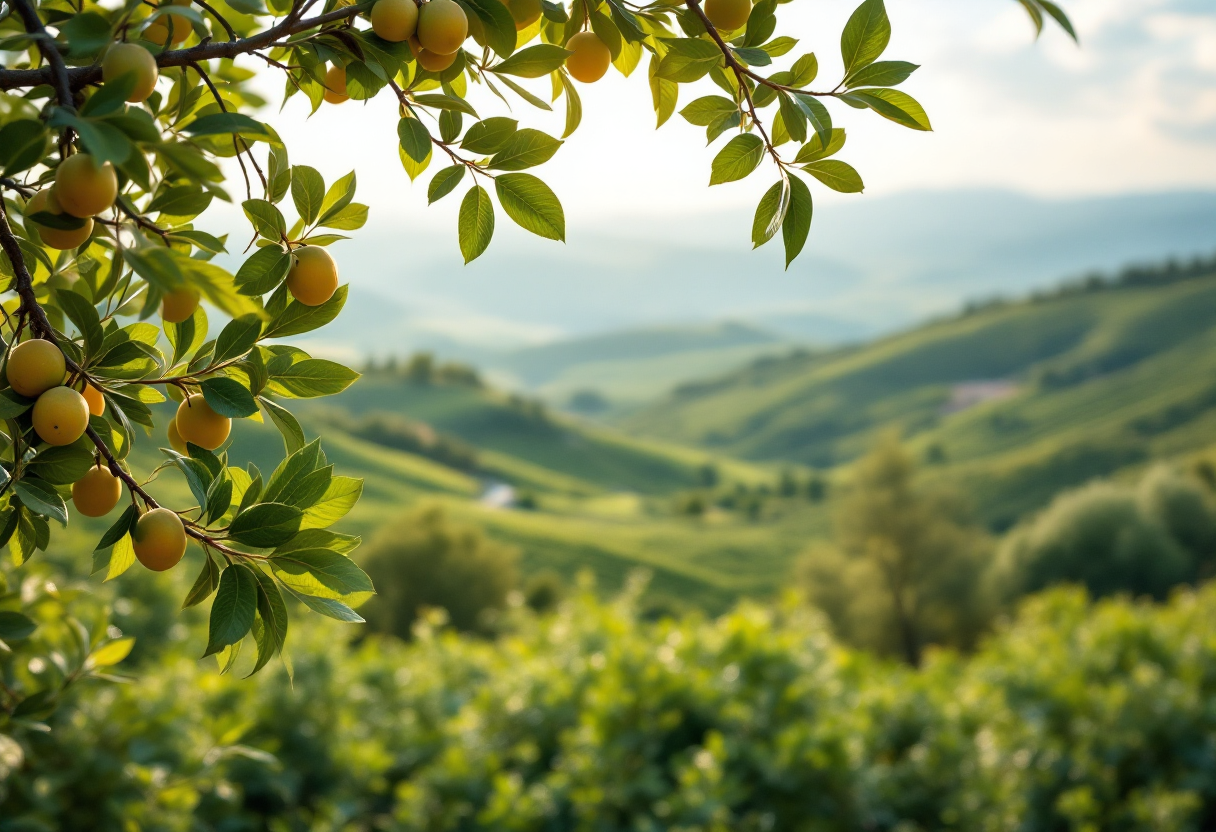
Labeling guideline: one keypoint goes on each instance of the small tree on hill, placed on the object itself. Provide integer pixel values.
(905, 567)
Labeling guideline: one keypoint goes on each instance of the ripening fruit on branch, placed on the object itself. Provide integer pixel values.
(313, 278)
(97, 492)
(122, 58)
(158, 30)
(159, 539)
(85, 188)
(198, 423)
(589, 59)
(60, 416)
(175, 439)
(34, 367)
(60, 238)
(394, 20)
(178, 305)
(442, 26)
(94, 399)
(524, 12)
(335, 85)
(429, 60)
(728, 15)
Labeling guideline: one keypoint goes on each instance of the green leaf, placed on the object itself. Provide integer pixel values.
(533, 62)
(797, 220)
(1058, 15)
(63, 465)
(228, 397)
(837, 175)
(218, 123)
(779, 46)
(13, 404)
(531, 204)
(350, 218)
(688, 59)
(865, 36)
(814, 149)
(574, 106)
(897, 106)
(770, 213)
(297, 318)
(198, 477)
(443, 183)
(489, 136)
(311, 378)
(23, 143)
(499, 25)
(415, 139)
(817, 115)
(793, 116)
(111, 97)
(523, 93)
(708, 109)
(288, 425)
(340, 497)
(266, 219)
(753, 57)
(737, 159)
(206, 582)
(181, 201)
(265, 269)
(527, 148)
(111, 653)
(476, 223)
(307, 192)
(104, 141)
(338, 196)
(881, 74)
(237, 338)
(273, 613)
(15, 625)
(329, 607)
(84, 315)
(232, 610)
(87, 33)
(265, 525)
(332, 571)
(41, 498)
(446, 102)
(320, 539)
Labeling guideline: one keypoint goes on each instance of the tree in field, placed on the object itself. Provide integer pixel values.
(118, 123)
(905, 568)
(425, 560)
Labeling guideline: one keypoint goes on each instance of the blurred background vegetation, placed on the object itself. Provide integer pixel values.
(953, 578)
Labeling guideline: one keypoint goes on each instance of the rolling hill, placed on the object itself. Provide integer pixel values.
(1013, 401)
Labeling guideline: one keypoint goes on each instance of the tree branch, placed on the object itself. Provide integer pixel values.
(56, 68)
(78, 77)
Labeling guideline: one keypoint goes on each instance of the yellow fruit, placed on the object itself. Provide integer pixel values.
(313, 278)
(122, 58)
(394, 20)
(589, 59)
(442, 26)
(175, 439)
(524, 12)
(34, 367)
(728, 15)
(178, 305)
(335, 85)
(60, 416)
(83, 187)
(430, 61)
(158, 30)
(94, 399)
(97, 492)
(159, 539)
(58, 238)
(198, 423)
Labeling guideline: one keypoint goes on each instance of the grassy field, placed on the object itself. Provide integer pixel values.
(1099, 380)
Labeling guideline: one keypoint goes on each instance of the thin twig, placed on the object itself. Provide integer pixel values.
(58, 70)
(202, 4)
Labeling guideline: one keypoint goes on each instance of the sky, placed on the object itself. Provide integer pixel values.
(1131, 110)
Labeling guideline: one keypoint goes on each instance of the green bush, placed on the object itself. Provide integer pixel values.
(1113, 538)
(424, 560)
(1075, 716)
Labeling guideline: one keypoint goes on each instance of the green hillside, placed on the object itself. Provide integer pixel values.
(1093, 379)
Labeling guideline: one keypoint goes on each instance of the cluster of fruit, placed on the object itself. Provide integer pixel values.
(37, 369)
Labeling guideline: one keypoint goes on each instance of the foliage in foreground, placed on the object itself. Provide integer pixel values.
(1076, 716)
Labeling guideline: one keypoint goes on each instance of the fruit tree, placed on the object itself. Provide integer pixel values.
(119, 124)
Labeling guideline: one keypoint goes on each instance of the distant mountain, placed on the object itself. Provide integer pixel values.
(1014, 401)
(871, 265)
